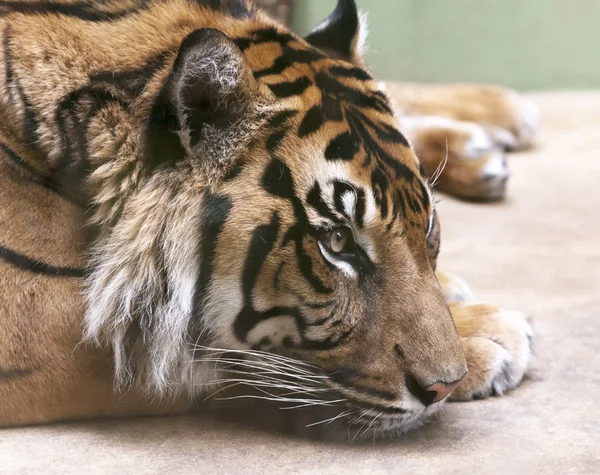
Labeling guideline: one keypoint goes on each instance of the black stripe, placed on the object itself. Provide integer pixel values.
(234, 171)
(133, 81)
(354, 73)
(340, 188)
(331, 87)
(37, 178)
(37, 267)
(8, 69)
(73, 116)
(289, 57)
(7, 374)
(413, 203)
(290, 88)
(261, 245)
(236, 8)
(281, 118)
(395, 213)
(391, 134)
(401, 203)
(305, 264)
(312, 122)
(81, 10)
(77, 109)
(384, 132)
(275, 139)
(400, 169)
(379, 184)
(317, 305)
(360, 210)
(30, 122)
(329, 343)
(277, 277)
(239, 9)
(342, 147)
(264, 35)
(277, 180)
(216, 210)
(315, 200)
(324, 320)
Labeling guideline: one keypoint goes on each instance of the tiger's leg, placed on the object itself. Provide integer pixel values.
(463, 130)
(511, 119)
(496, 342)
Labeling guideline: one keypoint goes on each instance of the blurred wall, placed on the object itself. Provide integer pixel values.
(527, 44)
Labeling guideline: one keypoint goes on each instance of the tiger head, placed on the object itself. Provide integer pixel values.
(281, 213)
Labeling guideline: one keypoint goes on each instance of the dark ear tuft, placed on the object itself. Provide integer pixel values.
(340, 34)
(209, 91)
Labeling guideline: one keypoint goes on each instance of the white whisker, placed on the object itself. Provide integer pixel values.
(330, 420)
(325, 403)
(258, 353)
(259, 366)
(276, 399)
(276, 378)
(440, 169)
(263, 384)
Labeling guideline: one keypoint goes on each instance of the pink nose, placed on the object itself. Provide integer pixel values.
(441, 390)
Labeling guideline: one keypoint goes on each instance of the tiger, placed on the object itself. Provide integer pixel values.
(195, 197)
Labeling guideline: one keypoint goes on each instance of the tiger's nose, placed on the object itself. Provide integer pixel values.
(441, 390)
(431, 394)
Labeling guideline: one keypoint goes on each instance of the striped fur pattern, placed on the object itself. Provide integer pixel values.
(225, 184)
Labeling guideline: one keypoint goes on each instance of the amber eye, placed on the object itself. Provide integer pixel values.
(339, 240)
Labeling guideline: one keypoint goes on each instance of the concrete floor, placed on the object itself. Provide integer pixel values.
(538, 252)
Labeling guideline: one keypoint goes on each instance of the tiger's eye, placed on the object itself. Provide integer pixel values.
(338, 240)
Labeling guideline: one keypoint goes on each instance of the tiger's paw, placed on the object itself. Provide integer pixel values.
(461, 132)
(461, 158)
(498, 348)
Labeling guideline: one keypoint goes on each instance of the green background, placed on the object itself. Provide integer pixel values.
(526, 44)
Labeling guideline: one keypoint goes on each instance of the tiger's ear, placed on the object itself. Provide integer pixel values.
(210, 91)
(343, 33)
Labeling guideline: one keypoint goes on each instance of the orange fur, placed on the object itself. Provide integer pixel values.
(98, 199)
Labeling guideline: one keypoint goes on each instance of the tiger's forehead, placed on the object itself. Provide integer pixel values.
(335, 113)
(292, 68)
